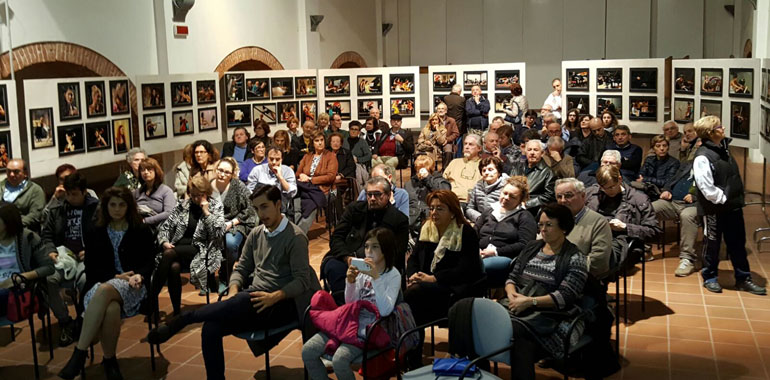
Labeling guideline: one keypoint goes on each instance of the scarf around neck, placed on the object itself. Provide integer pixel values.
(452, 240)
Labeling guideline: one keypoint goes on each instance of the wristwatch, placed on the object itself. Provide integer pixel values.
(534, 301)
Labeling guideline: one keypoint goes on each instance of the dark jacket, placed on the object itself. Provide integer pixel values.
(350, 233)
(32, 254)
(236, 204)
(457, 270)
(136, 253)
(291, 158)
(591, 149)
(630, 160)
(345, 164)
(360, 150)
(55, 221)
(635, 210)
(726, 176)
(541, 182)
(659, 172)
(682, 174)
(228, 149)
(477, 113)
(404, 149)
(509, 235)
(418, 190)
(455, 105)
(31, 203)
(482, 196)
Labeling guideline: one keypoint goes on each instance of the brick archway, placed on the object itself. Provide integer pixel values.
(37, 53)
(349, 59)
(248, 58)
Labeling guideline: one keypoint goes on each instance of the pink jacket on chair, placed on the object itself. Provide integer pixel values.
(340, 323)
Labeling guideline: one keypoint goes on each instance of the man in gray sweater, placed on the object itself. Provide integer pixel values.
(592, 234)
(275, 254)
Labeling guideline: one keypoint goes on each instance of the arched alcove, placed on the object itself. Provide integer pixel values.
(349, 59)
(248, 58)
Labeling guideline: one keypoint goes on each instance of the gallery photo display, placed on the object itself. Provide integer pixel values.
(69, 101)
(613, 104)
(339, 107)
(181, 94)
(5, 150)
(257, 88)
(4, 116)
(505, 78)
(95, 102)
(740, 119)
(577, 79)
(153, 96)
(337, 86)
(366, 105)
(183, 122)
(609, 79)
(643, 108)
(402, 84)
(369, 85)
(475, 78)
(41, 128)
(119, 96)
(234, 88)
(578, 102)
(683, 110)
(239, 115)
(207, 118)
(98, 136)
(402, 106)
(121, 135)
(262, 111)
(288, 111)
(282, 87)
(711, 108)
(71, 139)
(444, 81)
(155, 126)
(206, 90)
(741, 83)
(643, 79)
(684, 80)
(309, 111)
(711, 82)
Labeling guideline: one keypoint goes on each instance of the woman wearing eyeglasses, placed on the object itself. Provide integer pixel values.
(204, 160)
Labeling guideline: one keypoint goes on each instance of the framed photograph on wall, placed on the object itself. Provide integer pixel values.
(767, 85)
(181, 94)
(711, 82)
(337, 86)
(741, 83)
(71, 139)
(684, 82)
(154, 126)
(5, 150)
(95, 102)
(340, 107)
(402, 106)
(257, 88)
(69, 101)
(183, 122)
(309, 111)
(234, 88)
(206, 90)
(643, 79)
(4, 116)
(306, 87)
(740, 120)
(764, 85)
(401, 84)
(577, 79)
(444, 81)
(505, 78)
(765, 130)
(613, 104)
(119, 97)
(207, 118)
(475, 78)
(369, 85)
(239, 115)
(437, 99)
(579, 102)
(121, 135)
(711, 108)
(41, 128)
(609, 79)
(287, 111)
(643, 108)
(502, 101)
(98, 136)
(282, 87)
(263, 111)
(153, 96)
(365, 105)
(684, 109)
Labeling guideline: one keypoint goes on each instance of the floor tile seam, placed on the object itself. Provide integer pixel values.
(754, 336)
(710, 331)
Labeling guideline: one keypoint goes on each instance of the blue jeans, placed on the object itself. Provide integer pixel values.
(497, 268)
(233, 241)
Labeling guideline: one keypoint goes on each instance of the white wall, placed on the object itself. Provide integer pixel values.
(348, 25)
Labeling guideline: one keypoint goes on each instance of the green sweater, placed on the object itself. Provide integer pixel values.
(593, 237)
(30, 202)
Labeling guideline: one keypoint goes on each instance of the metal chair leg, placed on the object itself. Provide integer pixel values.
(644, 272)
(13, 333)
(34, 345)
(617, 317)
(625, 296)
(432, 342)
(267, 364)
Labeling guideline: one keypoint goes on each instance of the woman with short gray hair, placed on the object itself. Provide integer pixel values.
(130, 178)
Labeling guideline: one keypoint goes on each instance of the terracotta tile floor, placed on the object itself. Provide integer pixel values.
(685, 332)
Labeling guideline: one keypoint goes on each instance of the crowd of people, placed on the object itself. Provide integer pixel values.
(524, 199)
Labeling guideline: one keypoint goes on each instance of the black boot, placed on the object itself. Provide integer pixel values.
(111, 369)
(74, 365)
(165, 331)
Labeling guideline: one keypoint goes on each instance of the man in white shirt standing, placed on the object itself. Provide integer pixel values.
(553, 101)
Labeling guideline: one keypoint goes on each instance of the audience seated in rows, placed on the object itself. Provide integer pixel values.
(424, 181)
(335, 126)
(154, 199)
(659, 167)
(262, 132)
(433, 138)
(182, 172)
(630, 154)
(290, 154)
(61, 172)
(130, 178)
(258, 157)
(362, 153)
(238, 147)
(304, 143)
(593, 146)
(26, 195)
(346, 165)
(561, 164)
(451, 125)
(205, 157)
(316, 175)
(463, 173)
(540, 178)
(487, 190)
(399, 197)
(674, 137)
(394, 147)
(275, 173)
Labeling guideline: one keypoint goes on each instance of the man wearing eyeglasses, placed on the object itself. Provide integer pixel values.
(674, 137)
(347, 240)
(25, 194)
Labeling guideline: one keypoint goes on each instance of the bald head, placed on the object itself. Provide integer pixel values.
(16, 171)
(597, 127)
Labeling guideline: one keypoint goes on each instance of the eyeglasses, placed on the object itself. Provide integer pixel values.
(565, 196)
(541, 225)
(375, 194)
(719, 127)
(436, 209)
(225, 172)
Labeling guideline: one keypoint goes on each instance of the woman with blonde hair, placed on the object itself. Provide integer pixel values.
(290, 154)
(432, 137)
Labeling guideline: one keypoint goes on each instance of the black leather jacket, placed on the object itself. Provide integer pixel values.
(541, 183)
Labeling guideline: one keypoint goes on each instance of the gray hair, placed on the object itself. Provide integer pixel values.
(387, 169)
(457, 89)
(132, 152)
(611, 153)
(554, 142)
(379, 181)
(576, 183)
(542, 146)
(475, 137)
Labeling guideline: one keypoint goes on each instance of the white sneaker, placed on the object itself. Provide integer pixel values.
(685, 268)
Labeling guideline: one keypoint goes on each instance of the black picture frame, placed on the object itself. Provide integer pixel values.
(578, 79)
(306, 87)
(257, 88)
(95, 103)
(71, 139)
(338, 85)
(70, 107)
(438, 99)
(505, 78)
(401, 84)
(206, 91)
(443, 81)
(154, 126)
(741, 84)
(764, 78)
(5, 117)
(369, 85)
(740, 120)
(406, 107)
(181, 94)
(684, 80)
(340, 107)
(42, 130)
(475, 78)
(710, 108)
(282, 88)
(235, 88)
(364, 105)
(643, 108)
(6, 150)
(98, 136)
(208, 119)
(684, 110)
(309, 110)
(615, 105)
(121, 135)
(183, 122)
(238, 115)
(285, 112)
(502, 101)
(153, 96)
(580, 102)
(609, 79)
(711, 82)
(643, 79)
(765, 123)
(265, 112)
(119, 97)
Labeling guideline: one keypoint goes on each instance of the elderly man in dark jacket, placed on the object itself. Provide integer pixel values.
(593, 147)
(540, 178)
(677, 201)
(455, 104)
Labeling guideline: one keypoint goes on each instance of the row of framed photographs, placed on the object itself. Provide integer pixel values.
(766, 85)
(78, 138)
(444, 81)
(182, 123)
(643, 79)
(153, 95)
(710, 83)
(641, 108)
(765, 123)
(281, 112)
(740, 114)
(71, 108)
(5, 120)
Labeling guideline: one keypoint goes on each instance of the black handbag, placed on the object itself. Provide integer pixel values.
(540, 322)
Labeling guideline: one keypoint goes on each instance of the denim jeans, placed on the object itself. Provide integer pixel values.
(497, 268)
